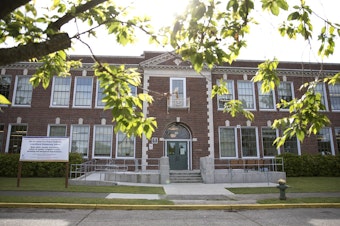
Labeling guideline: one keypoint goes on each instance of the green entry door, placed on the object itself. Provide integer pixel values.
(178, 155)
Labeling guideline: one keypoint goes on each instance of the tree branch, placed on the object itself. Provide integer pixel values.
(8, 6)
(35, 50)
(71, 15)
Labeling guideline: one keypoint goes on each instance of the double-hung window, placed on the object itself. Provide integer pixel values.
(325, 144)
(320, 88)
(268, 137)
(100, 96)
(246, 94)
(23, 91)
(16, 132)
(337, 137)
(61, 91)
(102, 147)
(266, 100)
(222, 99)
(125, 146)
(249, 142)
(80, 139)
(227, 138)
(178, 92)
(2, 130)
(57, 130)
(334, 95)
(292, 145)
(83, 92)
(5, 85)
(285, 91)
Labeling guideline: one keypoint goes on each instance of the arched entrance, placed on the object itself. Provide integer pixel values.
(177, 139)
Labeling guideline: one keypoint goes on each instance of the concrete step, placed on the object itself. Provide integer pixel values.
(185, 176)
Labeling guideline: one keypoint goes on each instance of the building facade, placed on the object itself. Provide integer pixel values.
(191, 124)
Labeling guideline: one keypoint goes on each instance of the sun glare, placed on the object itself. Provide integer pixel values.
(161, 12)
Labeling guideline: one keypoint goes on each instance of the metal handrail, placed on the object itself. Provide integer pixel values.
(112, 165)
(256, 164)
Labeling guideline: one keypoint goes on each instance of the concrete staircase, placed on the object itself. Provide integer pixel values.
(185, 176)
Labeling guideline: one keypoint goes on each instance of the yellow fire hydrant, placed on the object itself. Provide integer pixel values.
(282, 186)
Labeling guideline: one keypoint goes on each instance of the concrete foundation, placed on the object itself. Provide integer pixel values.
(242, 176)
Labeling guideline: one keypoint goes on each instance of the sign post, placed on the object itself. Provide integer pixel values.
(44, 149)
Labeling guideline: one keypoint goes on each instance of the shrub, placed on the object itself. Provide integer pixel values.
(9, 166)
(308, 165)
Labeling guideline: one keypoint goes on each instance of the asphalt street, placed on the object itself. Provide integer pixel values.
(87, 217)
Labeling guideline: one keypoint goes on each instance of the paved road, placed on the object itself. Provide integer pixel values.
(84, 217)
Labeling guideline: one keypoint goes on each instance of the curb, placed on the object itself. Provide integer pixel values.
(168, 207)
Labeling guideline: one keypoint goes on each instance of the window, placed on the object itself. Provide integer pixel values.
(337, 137)
(268, 137)
(100, 96)
(61, 91)
(222, 99)
(57, 130)
(2, 130)
(5, 85)
(292, 146)
(83, 92)
(178, 92)
(23, 91)
(320, 88)
(102, 147)
(325, 144)
(16, 132)
(285, 91)
(334, 95)
(125, 146)
(249, 142)
(227, 142)
(80, 139)
(246, 94)
(266, 100)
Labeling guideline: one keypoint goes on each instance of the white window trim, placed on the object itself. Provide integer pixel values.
(134, 150)
(278, 149)
(49, 128)
(88, 138)
(324, 96)
(254, 97)
(94, 141)
(97, 89)
(7, 105)
(52, 95)
(298, 144)
(293, 94)
(273, 98)
(15, 92)
(184, 90)
(75, 91)
(232, 93)
(333, 110)
(257, 142)
(9, 133)
(331, 139)
(219, 143)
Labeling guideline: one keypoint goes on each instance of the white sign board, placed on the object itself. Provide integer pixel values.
(45, 149)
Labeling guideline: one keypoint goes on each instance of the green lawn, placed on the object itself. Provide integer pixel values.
(58, 184)
(296, 185)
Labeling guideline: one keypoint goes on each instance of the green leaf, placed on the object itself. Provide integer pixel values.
(4, 100)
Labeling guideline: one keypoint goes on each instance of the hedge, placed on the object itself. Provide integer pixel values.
(9, 166)
(307, 165)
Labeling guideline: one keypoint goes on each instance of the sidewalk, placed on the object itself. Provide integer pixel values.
(183, 194)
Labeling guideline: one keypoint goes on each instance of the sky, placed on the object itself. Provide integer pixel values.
(264, 41)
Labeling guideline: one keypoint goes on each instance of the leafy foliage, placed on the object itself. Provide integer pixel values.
(9, 163)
